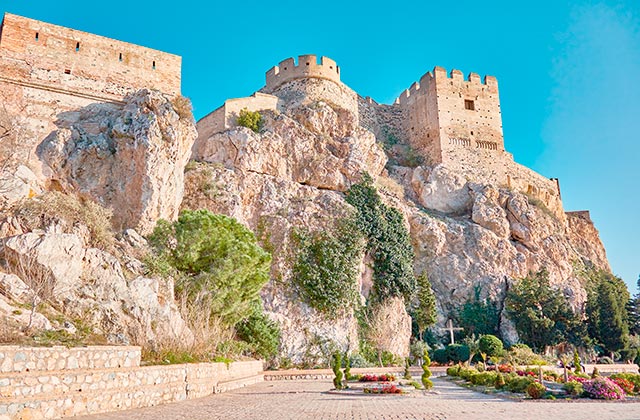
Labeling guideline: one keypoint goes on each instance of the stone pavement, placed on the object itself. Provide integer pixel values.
(309, 400)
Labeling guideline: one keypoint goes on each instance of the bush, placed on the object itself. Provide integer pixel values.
(219, 266)
(356, 360)
(453, 370)
(261, 333)
(183, 107)
(500, 381)
(457, 353)
(327, 267)
(536, 390)
(491, 345)
(484, 378)
(519, 384)
(573, 388)
(250, 119)
(466, 373)
(634, 378)
(602, 389)
(440, 356)
(426, 373)
(626, 385)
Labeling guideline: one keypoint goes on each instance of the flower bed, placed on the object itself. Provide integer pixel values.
(385, 389)
(377, 378)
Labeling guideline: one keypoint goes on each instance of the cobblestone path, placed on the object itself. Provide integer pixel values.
(308, 400)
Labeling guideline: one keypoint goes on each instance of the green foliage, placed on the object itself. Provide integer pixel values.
(573, 388)
(457, 353)
(388, 242)
(491, 345)
(336, 365)
(417, 350)
(542, 315)
(261, 333)
(425, 312)
(347, 367)
(607, 322)
(327, 267)
(576, 362)
(250, 119)
(634, 378)
(440, 356)
(407, 365)
(357, 360)
(536, 390)
(221, 267)
(466, 373)
(633, 312)
(426, 372)
(453, 370)
(499, 383)
(484, 378)
(479, 316)
(519, 384)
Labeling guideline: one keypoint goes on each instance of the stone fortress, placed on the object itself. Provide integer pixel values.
(452, 122)
(46, 70)
(449, 120)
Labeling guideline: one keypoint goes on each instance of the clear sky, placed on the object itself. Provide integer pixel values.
(569, 72)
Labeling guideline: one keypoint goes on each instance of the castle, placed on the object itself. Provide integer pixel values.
(46, 70)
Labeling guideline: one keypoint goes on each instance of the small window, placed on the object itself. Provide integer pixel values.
(154, 65)
(77, 46)
(120, 57)
(468, 104)
(307, 64)
(37, 36)
(67, 71)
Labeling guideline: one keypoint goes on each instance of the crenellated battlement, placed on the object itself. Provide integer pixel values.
(440, 75)
(307, 66)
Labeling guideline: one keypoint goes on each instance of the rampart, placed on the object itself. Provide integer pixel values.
(50, 57)
(61, 382)
(307, 67)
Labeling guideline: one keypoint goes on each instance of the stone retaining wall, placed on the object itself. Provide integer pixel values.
(54, 382)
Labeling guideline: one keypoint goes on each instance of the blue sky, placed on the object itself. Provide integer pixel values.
(569, 72)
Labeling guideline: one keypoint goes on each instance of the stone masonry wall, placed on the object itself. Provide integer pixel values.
(58, 382)
(307, 67)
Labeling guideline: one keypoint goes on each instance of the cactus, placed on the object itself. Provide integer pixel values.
(337, 365)
(426, 382)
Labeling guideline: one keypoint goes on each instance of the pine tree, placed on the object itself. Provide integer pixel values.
(633, 312)
(425, 313)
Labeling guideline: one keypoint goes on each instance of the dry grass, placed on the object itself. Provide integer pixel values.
(391, 186)
(183, 107)
(67, 211)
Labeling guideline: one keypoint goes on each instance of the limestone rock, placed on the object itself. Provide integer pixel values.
(131, 160)
(441, 189)
(16, 185)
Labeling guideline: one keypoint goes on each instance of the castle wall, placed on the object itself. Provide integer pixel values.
(307, 67)
(55, 382)
(225, 116)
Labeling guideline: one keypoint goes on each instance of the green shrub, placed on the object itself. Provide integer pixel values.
(491, 345)
(440, 356)
(576, 362)
(573, 388)
(453, 370)
(536, 390)
(457, 353)
(390, 359)
(519, 384)
(407, 365)
(500, 381)
(426, 372)
(356, 360)
(220, 265)
(466, 373)
(347, 367)
(250, 119)
(483, 378)
(336, 366)
(327, 267)
(261, 333)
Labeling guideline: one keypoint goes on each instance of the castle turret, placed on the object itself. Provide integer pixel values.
(307, 67)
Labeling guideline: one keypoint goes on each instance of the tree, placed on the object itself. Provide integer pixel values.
(542, 315)
(606, 310)
(425, 312)
(633, 312)
(490, 345)
(218, 264)
(479, 316)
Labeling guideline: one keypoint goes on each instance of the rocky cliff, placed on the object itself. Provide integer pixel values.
(294, 172)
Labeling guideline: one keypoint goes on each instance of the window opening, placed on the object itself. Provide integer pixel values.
(154, 65)
(468, 104)
(77, 46)
(67, 71)
(37, 36)
(120, 57)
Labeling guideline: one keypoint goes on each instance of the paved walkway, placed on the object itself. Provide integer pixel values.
(308, 400)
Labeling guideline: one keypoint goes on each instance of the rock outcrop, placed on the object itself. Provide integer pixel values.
(128, 159)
